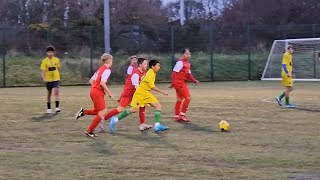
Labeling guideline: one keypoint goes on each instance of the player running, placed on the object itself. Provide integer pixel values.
(50, 73)
(131, 84)
(287, 75)
(142, 97)
(98, 90)
(133, 65)
(180, 75)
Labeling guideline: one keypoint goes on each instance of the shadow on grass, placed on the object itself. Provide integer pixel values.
(100, 146)
(196, 127)
(307, 109)
(44, 117)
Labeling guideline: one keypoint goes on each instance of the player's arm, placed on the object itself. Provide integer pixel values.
(129, 70)
(192, 78)
(135, 80)
(154, 88)
(58, 68)
(103, 83)
(43, 71)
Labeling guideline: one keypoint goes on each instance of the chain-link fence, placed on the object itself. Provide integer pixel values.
(218, 53)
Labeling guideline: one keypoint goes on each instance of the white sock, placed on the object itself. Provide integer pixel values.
(116, 119)
(156, 124)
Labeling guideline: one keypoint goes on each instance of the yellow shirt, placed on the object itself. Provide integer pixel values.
(51, 69)
(287, 60)
(147, 83)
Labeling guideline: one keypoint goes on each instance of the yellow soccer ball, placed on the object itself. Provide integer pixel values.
(224, 125)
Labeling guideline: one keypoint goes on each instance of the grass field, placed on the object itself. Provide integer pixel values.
(265, 142)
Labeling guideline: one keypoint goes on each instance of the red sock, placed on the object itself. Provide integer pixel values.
(185, 105)
(90, 112)
(94, 123)
(177, 108)
(113, 112)
(142, 115)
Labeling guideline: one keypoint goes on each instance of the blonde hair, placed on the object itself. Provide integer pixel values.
(106, 57)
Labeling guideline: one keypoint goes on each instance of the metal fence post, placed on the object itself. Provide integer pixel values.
(4, 49)
(91, 50)
(314, 30)
(211, 51)
(249, 51)
(172, 47)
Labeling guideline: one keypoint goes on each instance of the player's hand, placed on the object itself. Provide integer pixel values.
(44, 80)
(111, 96)
(293, 76)
(289, 74)
(197, 82)
(171, 86)
(165, 93)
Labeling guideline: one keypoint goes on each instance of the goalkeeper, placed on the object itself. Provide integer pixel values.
(287, 76)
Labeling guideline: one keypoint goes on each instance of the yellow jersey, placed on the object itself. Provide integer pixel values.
(287, 60)
(51, 69)
(147, 83)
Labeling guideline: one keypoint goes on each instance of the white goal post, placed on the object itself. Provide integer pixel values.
(306, 60)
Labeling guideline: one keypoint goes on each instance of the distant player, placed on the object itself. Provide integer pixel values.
(142, 97)
(131, 84)
(287, 75)
(133, 65)
(180, 75)
(98, 90)
(50, 73)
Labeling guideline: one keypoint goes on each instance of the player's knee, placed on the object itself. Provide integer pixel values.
(158, 106)
(103, 113)
(188, 97)
(133, 110)
(120, 109)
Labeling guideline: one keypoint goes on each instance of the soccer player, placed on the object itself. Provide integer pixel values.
(50, 73)
(180, 75)
(287, 75)
(133, 65)
(98, 90)
(142, 97)
(131, 84)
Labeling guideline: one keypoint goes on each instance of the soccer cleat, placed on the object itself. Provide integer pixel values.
(279, 101)
(184, 118)
(49, 111)
(90, 134)
(144, 126)
(80, 113)
(176, 119)
(58, 110)
(113, 124)
(160, 127)
(290, 106)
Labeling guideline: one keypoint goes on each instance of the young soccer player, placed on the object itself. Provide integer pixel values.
(98, 90)
(133, 65)
(50, 73)
(131, 84)
(142, 97)
(180, 75)
(287, 75)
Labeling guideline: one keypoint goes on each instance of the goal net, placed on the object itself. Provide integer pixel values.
(305, 59)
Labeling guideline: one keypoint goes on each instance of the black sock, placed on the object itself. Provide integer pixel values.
(48, 105)
(57, 103)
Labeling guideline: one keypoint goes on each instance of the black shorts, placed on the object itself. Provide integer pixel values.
(51, 85)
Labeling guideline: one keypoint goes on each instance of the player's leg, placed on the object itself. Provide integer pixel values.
(142, 117)
(177, 107)
(185, 94)
(124, 102)
(287, 94)
(56, 92)
(100, 107)
(115, 119)
(83, 112)
(49, 93)
(157, 115)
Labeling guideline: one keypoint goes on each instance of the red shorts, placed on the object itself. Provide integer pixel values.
(98, 100)
(182, 90)
(125, 99)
